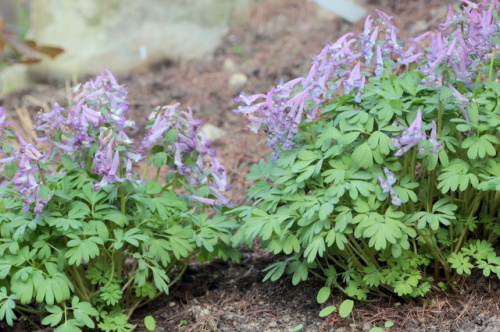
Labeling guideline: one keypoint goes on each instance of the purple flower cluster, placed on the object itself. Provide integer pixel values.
(92, 133)
(3, 121)
(282, 110)
(27, 180)
(386, 186)
(190, 141)
(97, 103)
(106, 160)
(412, 135)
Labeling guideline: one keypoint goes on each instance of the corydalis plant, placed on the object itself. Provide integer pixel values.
(85, 239)
(282, 109)
(384, 178)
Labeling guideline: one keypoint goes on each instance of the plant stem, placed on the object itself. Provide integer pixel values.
(18, 310)
(179, 275)
(361, 253)
(308, 140)
(82, 290)
(122, 202)
(440, 116)
(336, 262)
(145, 172)
(493, 56)
(437, 254)
(312, 132)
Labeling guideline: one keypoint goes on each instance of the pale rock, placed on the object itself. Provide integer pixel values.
(13, 78)
(366, 326)
(346, 9)
(199, 312)
(213, 133)
(229, 65)
(237, 81)
(127, 35)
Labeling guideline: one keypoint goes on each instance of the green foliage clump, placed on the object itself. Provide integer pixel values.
(85, 240)
(392, 186)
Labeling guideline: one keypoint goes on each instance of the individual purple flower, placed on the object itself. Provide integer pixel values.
(383, 184)
(395, 200)
(165, 119)
(109, 171)
(368, 39)
(391, 179)
(50, 123)
(386, 186)
(3, 118)
(354, 80)
(451, 18)
(410, 136)
(433, 139)
(464, 101)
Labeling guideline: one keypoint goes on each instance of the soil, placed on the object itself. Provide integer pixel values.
(275, 43)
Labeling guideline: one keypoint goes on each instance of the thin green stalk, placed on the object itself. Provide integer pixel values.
(32, 323)
(112, 274)
(430, 189)
(27, 310)
(130, 280)
(145, 172)
(136, 305)
(440, 116)
(179, 275)
(337, 262)
(122, 202)
(361, 253)
(493, 56)
(317, 275)
(437, 254)
(157, 174)
(371, 252)
(413, 162)
(312, 131)
(82, 290)
(355, 259)
(140, 303)
(308, 140)
(472, 213)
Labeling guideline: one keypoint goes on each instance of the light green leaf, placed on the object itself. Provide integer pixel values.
(363, 155)
(149, 323)
(323, 294)
(327, 311)
(345, 308)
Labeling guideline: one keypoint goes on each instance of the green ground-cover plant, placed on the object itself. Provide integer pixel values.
(85, 240)
(385, 176)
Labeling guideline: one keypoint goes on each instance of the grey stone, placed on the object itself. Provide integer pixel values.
(213, 133)
(123, 35)
(237, 81)
(346, 9)
(14, 78)
(229, 65)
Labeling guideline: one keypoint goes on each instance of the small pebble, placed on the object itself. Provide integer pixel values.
(237, 81)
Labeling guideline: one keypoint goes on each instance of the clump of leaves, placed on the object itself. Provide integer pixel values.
(85, 240)
(385, 176)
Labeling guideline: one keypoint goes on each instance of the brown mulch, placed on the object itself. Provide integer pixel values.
(275, 43)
